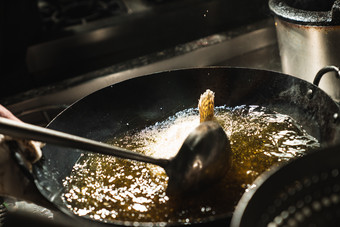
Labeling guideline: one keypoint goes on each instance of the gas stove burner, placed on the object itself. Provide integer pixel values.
(61, 14)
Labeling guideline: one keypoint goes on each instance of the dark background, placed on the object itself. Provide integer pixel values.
(64, 49)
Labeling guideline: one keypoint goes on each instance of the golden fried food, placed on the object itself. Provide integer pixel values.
(206, 106)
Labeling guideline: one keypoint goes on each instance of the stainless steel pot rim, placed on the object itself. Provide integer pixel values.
(283, 10)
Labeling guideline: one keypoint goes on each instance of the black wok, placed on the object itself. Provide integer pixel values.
(142, 101)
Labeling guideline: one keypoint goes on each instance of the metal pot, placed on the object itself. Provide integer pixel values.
(308, 33)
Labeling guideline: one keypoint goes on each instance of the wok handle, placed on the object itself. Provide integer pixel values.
(323, 71)
(28, 131)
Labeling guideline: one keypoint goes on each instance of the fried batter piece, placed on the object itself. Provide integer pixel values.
(206, 106)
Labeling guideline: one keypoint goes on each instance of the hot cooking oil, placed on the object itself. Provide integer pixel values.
(108, 188)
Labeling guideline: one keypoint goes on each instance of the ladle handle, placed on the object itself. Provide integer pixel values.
(22, 130)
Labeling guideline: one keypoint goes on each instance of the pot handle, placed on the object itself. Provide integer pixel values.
(325, 70)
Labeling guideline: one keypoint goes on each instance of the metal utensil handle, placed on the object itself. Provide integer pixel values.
(33, 132)
(323, 71)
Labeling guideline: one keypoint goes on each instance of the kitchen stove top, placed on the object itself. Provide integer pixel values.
(251, 45)
(86, 35)
(72, 38)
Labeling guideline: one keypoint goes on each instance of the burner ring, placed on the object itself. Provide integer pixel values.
(69, 13)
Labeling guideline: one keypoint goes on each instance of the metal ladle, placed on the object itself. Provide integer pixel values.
(203, 158)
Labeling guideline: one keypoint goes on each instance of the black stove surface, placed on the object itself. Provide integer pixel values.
(54, 40)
